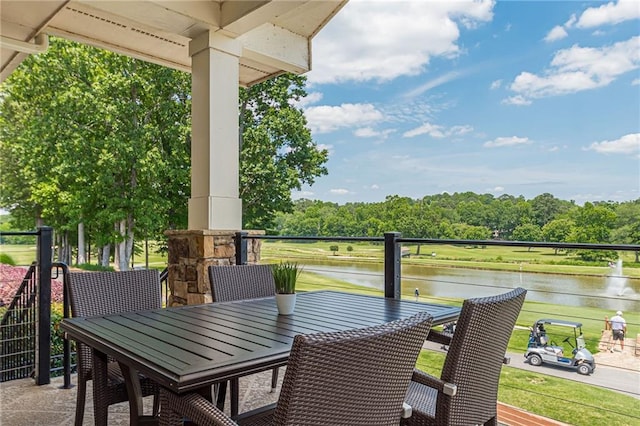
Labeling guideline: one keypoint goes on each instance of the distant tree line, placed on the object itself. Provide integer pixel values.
(471, 216)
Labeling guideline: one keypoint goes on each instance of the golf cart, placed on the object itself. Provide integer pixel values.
(543, 350)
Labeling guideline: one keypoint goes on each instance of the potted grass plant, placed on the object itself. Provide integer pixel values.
(285, 275)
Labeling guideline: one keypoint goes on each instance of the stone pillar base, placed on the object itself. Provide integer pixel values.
(191, 252)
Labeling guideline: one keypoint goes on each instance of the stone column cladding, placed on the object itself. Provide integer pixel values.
(191, 252)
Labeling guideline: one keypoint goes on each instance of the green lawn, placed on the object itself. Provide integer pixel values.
(563, 400)
(496, 258)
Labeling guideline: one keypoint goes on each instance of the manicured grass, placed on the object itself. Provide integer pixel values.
(495, 258)
(25, 254)
(563, 400)
(22, 254)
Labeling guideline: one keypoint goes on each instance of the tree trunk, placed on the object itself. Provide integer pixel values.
(105, 254)
(124, 248)
(64, 251)
(121, 255)
(81, 246)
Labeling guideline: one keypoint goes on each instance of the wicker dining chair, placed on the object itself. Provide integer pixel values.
(352, 377)
(102, 293)
(467, 391)
(229, 283)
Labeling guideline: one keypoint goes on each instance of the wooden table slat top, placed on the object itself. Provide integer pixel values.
(192, 346)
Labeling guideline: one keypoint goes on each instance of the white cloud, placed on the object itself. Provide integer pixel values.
(516, 100)
(437, 131)
(368, 132)
(329, 148)
(609, 14)
(507, 141)
(571, 22)
(556, 33)
(496, 84)
(438, 81)
(498, 189)
(432, 130)
(628, 144)
(374, 186)
(311, 98)
(325, 118)
(579, 68)
(340, 191)
(635, 81)
(371, 40)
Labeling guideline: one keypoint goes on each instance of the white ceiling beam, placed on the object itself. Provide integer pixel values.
(277, 47)
(241, 17)
(184, 65)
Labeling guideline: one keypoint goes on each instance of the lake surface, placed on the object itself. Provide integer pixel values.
(615, 292)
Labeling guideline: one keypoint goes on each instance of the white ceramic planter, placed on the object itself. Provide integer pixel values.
(286, 303)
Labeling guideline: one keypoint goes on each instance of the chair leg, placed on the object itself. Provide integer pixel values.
(274, 380)
(156, 405)
(81, 399)
(221, 395)
(492, 421)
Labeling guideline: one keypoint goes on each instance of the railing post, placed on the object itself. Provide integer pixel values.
(66, 313)
(241, 247)
(391, 265)
(43, 340)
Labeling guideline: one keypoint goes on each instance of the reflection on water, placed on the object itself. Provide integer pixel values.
(576, 290)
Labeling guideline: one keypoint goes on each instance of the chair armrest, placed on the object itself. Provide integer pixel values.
(439, 337)
(195, 406)
(428, 380)
(407, 411)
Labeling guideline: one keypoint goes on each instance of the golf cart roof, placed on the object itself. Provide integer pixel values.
(562, 323)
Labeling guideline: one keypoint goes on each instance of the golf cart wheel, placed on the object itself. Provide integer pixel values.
(535, 360)
(584, 369)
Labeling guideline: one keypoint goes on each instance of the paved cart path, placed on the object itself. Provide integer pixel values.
(614, 371)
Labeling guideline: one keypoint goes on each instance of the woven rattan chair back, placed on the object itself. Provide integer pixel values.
(476, 356)
(103, 293)
(241, 282)
(354, 377)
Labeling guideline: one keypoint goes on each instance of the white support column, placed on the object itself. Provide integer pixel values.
(215, 160)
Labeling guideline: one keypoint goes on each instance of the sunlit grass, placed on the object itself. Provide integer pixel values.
(560, 399)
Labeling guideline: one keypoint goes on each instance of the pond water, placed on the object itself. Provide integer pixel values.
(612, 292)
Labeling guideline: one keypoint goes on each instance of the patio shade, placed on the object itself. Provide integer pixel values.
(275, 34)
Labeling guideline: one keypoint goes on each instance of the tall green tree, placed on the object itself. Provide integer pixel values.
(101, 140)
(95, 132)
(277, 152)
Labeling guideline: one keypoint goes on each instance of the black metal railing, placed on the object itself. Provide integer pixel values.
(393, 255)
(26, 325)
(18, 331)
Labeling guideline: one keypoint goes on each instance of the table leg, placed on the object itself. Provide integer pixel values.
(235, 392)
(100, 381)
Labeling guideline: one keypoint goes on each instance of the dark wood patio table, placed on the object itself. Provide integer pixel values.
(190, 347)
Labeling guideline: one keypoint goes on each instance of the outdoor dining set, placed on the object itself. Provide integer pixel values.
(350, 358)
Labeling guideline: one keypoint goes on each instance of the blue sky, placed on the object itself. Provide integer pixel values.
(508, 97)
